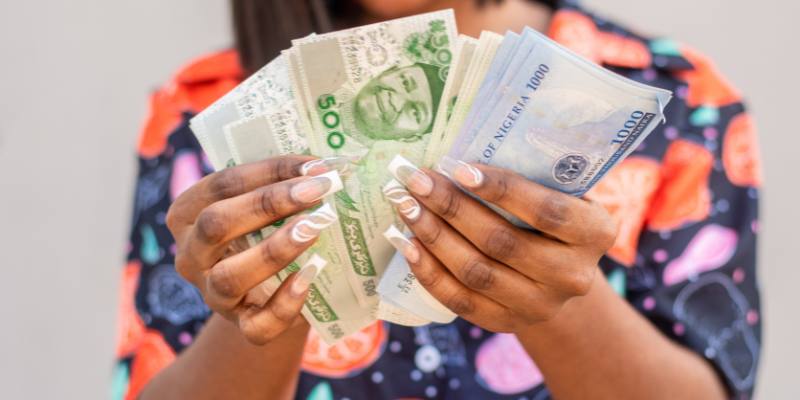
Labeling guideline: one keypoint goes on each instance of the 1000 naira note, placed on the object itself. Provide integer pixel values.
(561, 121)
(373, 93)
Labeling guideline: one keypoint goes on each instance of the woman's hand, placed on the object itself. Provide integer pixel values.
(483, 268)
(210, 218)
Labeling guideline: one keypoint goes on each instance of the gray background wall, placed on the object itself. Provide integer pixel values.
(74, 78)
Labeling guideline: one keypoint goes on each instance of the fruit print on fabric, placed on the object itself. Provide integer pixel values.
(504, 367)
(441, 361)
(348, 357)
(153, 356)
(707, 86)
(684, 196)
(709, 249)
(186, 171)
(579, 33)
(740, 152)
(130, 327)
(715, 310)
(626, 193)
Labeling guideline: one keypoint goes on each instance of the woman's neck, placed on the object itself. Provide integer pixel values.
(513, 15)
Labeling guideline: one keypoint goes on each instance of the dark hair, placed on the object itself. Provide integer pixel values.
(265, 27)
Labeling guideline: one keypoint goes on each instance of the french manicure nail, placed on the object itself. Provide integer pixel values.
(317, 167)
(315, 223)
(461, 172)
(317, 187)
(304, 278)
(402, 244)
(406, 172)
(406, 205)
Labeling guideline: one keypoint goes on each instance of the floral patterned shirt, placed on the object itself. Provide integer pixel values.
(685, 205)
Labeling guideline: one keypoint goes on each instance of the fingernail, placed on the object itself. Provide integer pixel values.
(402, 244)
(321, 166)
(406, 205)
(313, 224)
(461, 172)
(315, 188)
(416, 180)
(303, 279)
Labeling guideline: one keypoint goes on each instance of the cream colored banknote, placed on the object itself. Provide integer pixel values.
(267, 88)
(484, 54)
(373, 92)
(465, 50)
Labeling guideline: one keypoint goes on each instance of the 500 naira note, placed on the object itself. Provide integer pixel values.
(373, 92)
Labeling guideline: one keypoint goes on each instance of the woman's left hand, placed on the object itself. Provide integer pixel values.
(483, 268)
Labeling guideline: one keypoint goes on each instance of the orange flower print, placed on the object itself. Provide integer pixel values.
(579, 33)
(626, 193)
(684, 196)
(740, 153)
(348, 357)
(130, 328)
(707, 86)
(153, 356)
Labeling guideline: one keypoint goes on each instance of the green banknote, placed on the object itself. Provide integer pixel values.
(373, 92)
(465, 50)
(260, 119)
(479, 64)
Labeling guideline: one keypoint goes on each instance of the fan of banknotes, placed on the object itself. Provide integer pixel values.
(413, 87)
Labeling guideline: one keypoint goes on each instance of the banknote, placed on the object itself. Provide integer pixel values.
(464, 51)
(373, 92)
(563, 123)
(497, 85)
(268, 123)
(488, 82)
(484, 54)
(265, 89)
(400, 290)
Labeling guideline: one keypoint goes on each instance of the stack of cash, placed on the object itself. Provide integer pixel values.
(413, 87)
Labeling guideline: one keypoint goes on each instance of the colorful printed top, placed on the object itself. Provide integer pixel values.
(685, 204)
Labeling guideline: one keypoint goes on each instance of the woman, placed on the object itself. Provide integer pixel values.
(676, 222)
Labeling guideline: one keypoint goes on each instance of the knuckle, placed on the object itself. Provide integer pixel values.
(579, 283)
(211, 226)
(272, 256)
(553, 212)
(173, 222)
(182, 266)
(287, 168)
(256, 333)
(450, 204)
(477, 274)
(460, 303)
(429, 279)
(266, 207)
(226, 184)
(501, 242)
(503, 189)
(431, 235)
(606, 233)
(283, 315)
(223, 282)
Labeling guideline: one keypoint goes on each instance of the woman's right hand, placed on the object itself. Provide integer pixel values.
(208, 218)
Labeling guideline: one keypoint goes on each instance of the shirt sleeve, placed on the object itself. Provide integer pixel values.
(686, 207)
(160, 312)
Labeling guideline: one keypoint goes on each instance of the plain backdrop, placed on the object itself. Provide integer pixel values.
(74, 79)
